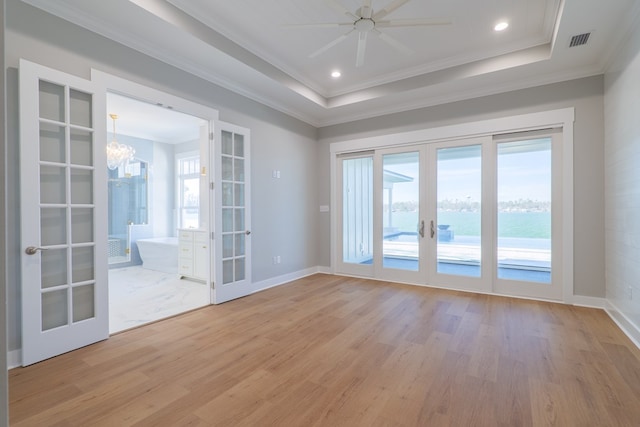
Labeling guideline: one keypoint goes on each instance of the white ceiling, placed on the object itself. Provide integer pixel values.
(249, 46)
(147, 121)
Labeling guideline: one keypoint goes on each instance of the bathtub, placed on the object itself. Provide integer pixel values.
(159, 253)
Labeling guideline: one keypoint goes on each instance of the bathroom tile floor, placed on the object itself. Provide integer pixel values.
(138, 295)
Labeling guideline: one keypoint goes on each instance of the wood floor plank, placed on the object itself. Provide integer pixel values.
(330, 351)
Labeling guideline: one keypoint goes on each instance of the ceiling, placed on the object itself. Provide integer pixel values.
(254, 48)
(147, 121)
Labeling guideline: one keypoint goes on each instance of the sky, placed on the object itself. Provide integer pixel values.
(521, 175)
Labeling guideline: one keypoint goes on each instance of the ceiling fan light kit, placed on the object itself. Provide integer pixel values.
(364, 21)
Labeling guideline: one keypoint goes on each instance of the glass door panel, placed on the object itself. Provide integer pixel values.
(401, 211)
(233, 233)
(459, 213)
(357, 211)
(524, 210)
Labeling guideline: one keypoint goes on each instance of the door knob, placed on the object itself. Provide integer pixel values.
(421, 228)
(247, 232)
(32, 250)
(433, 229)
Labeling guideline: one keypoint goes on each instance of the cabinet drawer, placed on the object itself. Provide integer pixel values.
(185, 267)
(185, 236)
(185, 250)
(200, 237)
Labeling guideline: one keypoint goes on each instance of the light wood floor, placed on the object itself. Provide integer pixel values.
(336, 351)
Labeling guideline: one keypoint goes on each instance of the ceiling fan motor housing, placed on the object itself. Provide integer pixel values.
(364, 25)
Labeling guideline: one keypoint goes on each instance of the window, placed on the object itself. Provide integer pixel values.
(188, 190)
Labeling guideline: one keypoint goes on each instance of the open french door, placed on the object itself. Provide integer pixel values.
(63, 205)
(232, 207)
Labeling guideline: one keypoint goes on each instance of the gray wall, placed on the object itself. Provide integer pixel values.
(586, 95)
(4, 396)
(622, 180)
(284, 210)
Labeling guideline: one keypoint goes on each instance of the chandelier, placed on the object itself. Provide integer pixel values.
(117, 154)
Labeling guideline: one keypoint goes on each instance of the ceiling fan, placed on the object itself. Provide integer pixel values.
(365, 21)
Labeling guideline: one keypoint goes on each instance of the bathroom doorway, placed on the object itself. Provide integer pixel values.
(157, 212)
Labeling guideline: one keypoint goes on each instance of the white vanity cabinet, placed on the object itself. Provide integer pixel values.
(193, 247)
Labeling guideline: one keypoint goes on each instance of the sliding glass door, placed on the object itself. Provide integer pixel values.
(475, 214)
(400, 206)
(527, 215)
(355, 175)
(460, 224)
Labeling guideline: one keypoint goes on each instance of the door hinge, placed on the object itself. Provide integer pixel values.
(213, 284)
(210, 136)
(212, 185)
(212, 235)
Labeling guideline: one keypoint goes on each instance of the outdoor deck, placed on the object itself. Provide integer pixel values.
(518, 259)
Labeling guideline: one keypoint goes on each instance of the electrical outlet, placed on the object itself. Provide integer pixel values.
(278, 259)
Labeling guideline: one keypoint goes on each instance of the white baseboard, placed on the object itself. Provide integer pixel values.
(286, 278)
(591, 302)
(325, 270)
(14, 359)
(627, 326)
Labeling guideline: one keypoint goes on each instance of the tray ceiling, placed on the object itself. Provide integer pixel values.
(254, 47)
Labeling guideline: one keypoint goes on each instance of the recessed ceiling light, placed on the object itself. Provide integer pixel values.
(501, 26)
(335, 74)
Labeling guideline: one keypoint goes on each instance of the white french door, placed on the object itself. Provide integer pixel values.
(232, 232)
(401, 236)
(480, 214)
(63, 179)
(459, 214)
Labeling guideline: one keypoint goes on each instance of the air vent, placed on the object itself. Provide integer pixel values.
(579, 40)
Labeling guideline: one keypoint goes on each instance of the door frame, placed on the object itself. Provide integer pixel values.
(111, 83)
(560, 118)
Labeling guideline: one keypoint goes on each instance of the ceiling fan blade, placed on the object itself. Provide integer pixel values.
(319, 25)
(413, 22)
(330, 44)
(388, 9)
(341, 9)
(362, 46)
(393, 42)
(366, 11)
